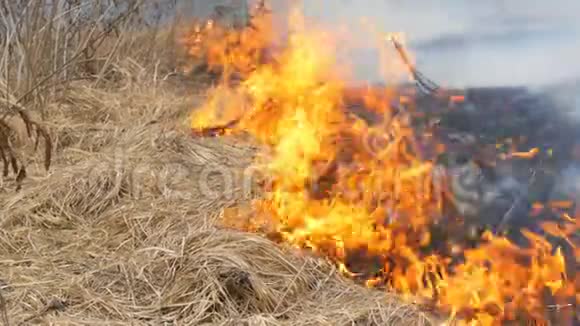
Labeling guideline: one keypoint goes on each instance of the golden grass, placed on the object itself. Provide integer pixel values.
(122, 230)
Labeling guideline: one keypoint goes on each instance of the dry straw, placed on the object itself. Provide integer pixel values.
(103, 239)
(123, 228)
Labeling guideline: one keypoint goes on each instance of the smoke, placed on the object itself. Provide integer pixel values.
(456, 43)
(465, 43)
(461, 44)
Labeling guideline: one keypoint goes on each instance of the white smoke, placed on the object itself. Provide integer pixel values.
(567, 185)
(456, 43)
(468, 43)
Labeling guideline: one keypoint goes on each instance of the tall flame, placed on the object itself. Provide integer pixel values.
(359, 192)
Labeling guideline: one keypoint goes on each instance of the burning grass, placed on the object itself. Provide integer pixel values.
(123, 229)
(361, 194)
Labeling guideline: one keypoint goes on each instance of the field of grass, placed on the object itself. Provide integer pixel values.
(123, 228)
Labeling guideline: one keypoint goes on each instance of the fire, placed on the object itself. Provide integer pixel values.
(457, 98)
(526, 155)
(226, 49)
(356, 191)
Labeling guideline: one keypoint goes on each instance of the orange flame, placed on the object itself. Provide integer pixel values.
(340, 186)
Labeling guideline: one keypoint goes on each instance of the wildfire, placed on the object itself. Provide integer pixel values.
(359, 192)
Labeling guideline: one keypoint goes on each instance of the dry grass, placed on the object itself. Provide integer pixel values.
(123, 229)
(120, 230)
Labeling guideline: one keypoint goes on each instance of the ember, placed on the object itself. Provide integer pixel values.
(360, 189)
